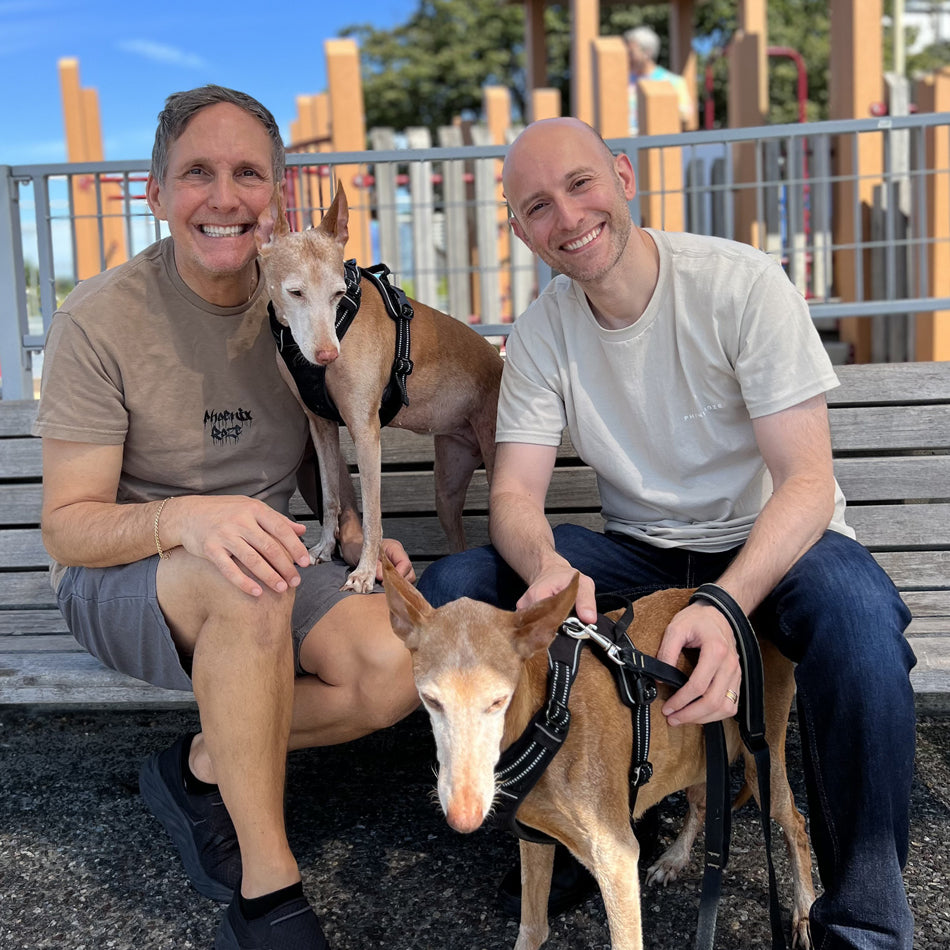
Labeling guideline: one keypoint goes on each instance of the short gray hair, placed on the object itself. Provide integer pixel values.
(181, 108)
(646, 38)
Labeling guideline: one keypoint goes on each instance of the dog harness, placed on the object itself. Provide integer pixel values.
(635, 673)
(311, 380)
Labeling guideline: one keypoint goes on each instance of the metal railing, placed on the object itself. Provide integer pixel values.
(436, 216)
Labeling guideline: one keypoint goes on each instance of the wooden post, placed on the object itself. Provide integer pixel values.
(585, 28)
(535, 42)
(660, 172)
(94, 251)
(544, 104)
(933, 329)
(497, 105)
(611, 78)
(857, 80)
(348, 134)
(682, 54)
(748, 108)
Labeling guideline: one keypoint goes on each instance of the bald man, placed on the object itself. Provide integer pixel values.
(691, 379)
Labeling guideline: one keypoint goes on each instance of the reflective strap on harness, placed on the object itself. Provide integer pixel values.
(523, 763)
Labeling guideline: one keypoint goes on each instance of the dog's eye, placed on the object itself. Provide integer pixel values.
(498, 704)
(432, 703)
(295, 293)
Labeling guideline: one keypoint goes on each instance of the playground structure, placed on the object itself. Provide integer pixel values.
(852, 220)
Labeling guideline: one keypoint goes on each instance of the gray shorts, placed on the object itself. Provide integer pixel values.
(113, 612)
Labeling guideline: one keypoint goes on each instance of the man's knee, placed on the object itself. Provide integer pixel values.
(479, 573)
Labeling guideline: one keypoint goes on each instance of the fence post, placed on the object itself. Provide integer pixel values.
(457, 257)
(486, 231)
(15, 361)
(387, 208)
(423, 231)
(933, 329)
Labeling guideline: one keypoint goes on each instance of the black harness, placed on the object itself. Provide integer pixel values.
(635, 673)
(311, 380)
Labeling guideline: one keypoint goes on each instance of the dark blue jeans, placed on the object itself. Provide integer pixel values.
(839, 618)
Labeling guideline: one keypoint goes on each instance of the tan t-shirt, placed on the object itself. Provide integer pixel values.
(190, 390)
(662, 410)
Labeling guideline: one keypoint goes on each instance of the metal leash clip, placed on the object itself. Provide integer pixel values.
(579, 630)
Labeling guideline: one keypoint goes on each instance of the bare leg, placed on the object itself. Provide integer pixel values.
(243, 681)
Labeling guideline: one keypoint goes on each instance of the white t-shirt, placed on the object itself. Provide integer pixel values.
(662, 410)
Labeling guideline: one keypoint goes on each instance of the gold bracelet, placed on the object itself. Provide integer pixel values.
(158, 544)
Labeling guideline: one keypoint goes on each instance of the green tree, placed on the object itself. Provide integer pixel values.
(433, 68)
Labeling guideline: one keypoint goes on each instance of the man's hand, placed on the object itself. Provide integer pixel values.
(708, 694)
(247, 540)
(400, 560)
(553, 581)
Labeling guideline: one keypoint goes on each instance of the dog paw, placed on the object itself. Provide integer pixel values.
(321, 552)
(663, 872)
(801, 934)
(360, 582)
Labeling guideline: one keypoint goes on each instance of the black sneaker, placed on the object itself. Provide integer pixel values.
(291, 926)
(571, 885)
(199, 825)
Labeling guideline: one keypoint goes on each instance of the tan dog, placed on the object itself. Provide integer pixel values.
(453, 387)
(482, 674)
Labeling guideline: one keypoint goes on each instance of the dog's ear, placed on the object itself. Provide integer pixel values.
(407, 607)
(537, 625)
(272, 220)
(335, 221)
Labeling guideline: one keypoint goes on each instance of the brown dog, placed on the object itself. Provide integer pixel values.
(453, 387)
(482, 674)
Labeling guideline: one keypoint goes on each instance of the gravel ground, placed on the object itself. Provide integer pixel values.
(84, 866)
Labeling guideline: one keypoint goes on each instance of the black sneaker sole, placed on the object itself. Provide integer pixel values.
(163, 806)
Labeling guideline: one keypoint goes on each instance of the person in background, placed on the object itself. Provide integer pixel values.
(643, 50)
(171, 448)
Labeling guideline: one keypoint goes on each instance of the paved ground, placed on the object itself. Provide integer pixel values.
(84, 866)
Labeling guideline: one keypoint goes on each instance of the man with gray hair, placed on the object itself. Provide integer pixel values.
(171, 449)
(643, 51)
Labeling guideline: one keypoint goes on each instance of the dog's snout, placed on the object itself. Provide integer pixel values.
(325, 357)
(464, 812)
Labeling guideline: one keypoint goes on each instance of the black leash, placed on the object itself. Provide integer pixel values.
(751, 717)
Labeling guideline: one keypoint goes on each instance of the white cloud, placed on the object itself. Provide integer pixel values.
(160, 53)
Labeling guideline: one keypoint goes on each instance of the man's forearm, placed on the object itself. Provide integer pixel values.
(520, 532)
(102, 534)
(793, 519)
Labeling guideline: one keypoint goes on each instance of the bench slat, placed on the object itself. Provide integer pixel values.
(871, 428)
(882, 479)
(76, 678)
(883, 383)
(17, 417)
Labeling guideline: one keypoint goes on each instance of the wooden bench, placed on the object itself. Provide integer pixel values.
(891, 434)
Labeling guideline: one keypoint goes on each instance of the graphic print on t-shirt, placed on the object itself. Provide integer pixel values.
(226, 425)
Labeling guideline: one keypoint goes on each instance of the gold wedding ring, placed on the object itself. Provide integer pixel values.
(733, 695)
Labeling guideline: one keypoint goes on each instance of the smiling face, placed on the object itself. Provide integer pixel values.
(220, 179)
(568, 197)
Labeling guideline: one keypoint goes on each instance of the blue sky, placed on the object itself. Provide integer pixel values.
(134, 55)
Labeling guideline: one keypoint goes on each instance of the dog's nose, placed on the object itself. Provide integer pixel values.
(325, 357)
(464, 813)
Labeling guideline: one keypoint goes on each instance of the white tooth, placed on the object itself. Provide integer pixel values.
(586, 239)
(213, 230)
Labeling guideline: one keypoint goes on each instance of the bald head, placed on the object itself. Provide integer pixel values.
(547, 137)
